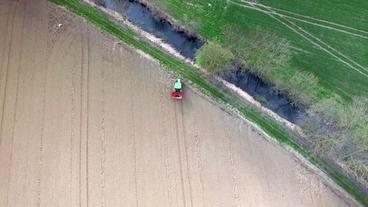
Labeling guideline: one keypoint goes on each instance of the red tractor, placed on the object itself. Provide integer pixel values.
(177, 92)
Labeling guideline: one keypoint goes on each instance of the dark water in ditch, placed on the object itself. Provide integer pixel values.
(141, 16)
(262, 92)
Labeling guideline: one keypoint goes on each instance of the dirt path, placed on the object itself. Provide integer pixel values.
(86, 121)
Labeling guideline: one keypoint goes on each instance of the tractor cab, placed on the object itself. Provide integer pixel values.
(177, 92)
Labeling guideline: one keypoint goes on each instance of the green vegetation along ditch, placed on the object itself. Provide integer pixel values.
(197, 79)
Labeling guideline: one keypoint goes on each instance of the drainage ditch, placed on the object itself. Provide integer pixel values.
(187, 44)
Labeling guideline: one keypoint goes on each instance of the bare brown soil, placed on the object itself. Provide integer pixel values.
(86, 121)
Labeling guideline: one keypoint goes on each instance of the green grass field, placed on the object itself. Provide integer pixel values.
(330, 38)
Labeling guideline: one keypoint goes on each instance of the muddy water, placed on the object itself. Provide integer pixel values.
(187, 45)
(143, 18)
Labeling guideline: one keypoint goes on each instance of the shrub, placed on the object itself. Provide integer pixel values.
(260, 50)
(214, 57)
(267, 56)
(301, 87)
(359, 168)
(340, 131)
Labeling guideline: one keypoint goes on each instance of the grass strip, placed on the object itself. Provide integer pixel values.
(197, 79)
